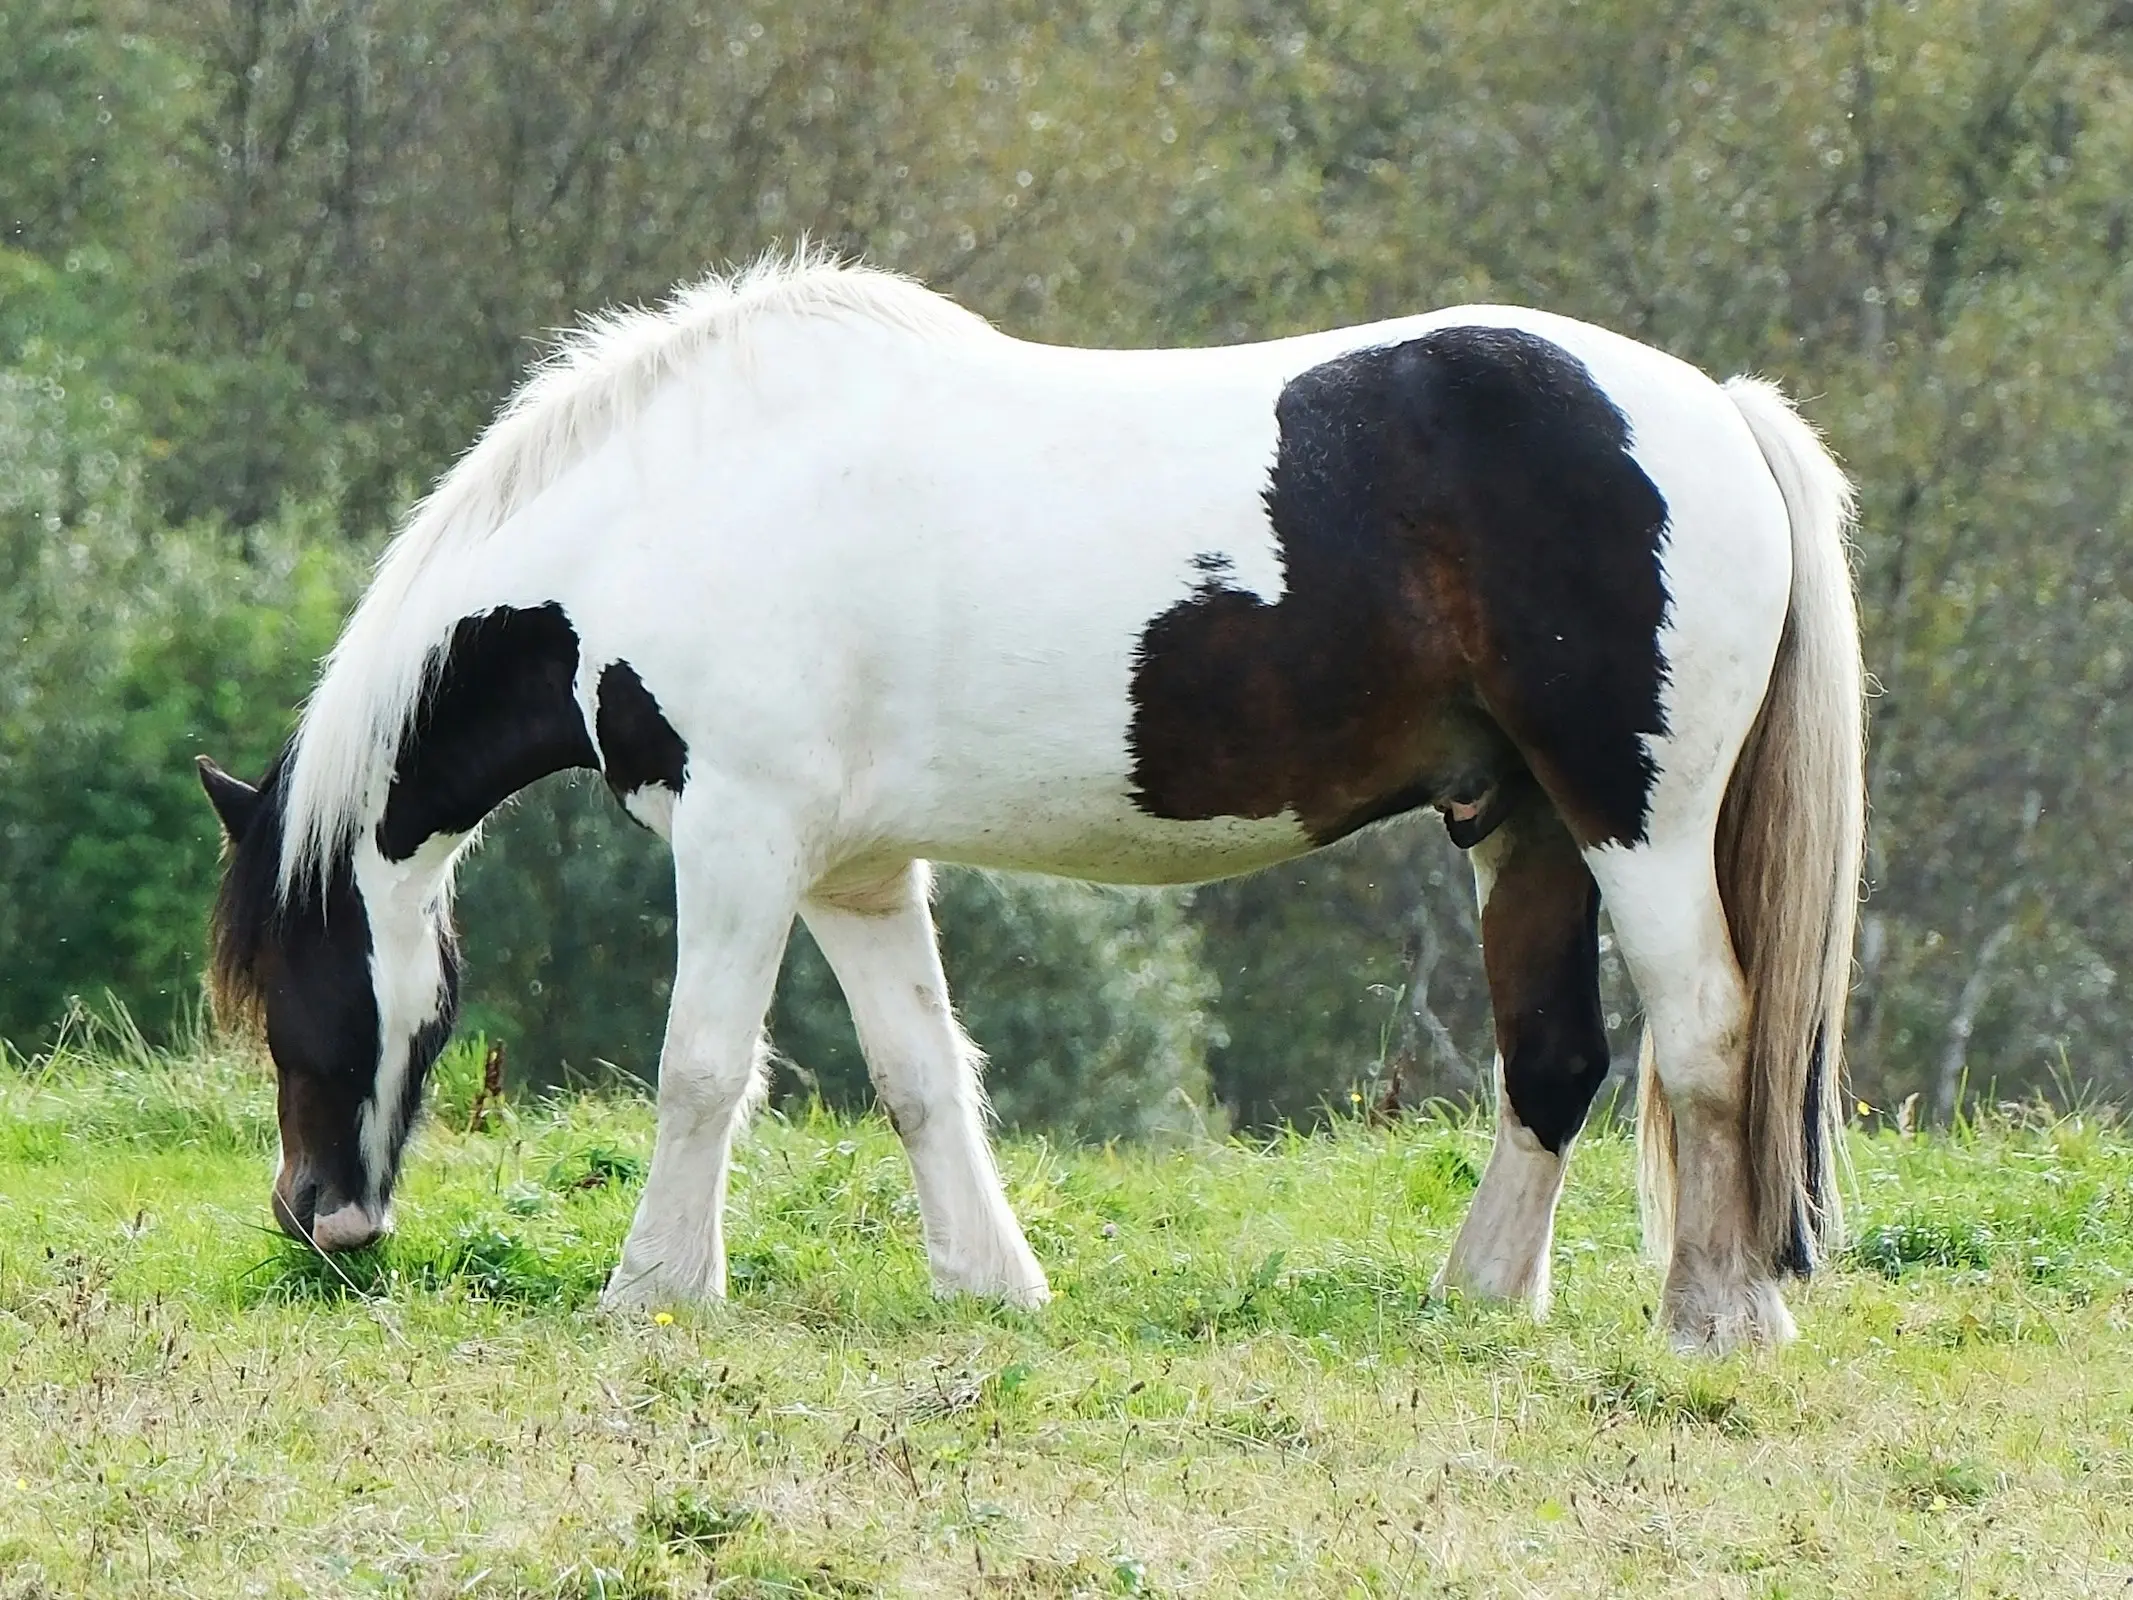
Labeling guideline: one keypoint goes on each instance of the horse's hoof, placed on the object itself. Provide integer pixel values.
(1717, 1319)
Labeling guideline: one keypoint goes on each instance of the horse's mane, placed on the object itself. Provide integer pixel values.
(597, 378)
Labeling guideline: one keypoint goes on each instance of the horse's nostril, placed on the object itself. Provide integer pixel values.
(294, 1206)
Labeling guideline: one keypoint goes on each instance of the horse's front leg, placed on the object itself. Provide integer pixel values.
(735, 890)
(880, 944)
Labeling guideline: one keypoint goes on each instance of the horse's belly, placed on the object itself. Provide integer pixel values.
(1112, 843)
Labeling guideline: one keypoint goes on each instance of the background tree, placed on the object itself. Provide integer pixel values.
(266, 266)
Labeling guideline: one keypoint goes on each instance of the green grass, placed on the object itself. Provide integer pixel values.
(1243, 1388)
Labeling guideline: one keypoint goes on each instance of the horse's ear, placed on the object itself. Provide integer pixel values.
(235, 801)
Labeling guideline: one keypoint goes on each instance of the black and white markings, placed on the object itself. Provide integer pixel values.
(502, 711)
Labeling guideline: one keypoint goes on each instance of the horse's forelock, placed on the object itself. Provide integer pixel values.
(248, 904)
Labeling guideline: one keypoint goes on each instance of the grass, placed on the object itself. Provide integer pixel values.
(1243, 1388)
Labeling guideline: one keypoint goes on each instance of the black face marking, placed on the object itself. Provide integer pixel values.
(322, 1029)
(500, 713)
(1472, 589)
(301, 970)
(637, 744)
(1540, 938)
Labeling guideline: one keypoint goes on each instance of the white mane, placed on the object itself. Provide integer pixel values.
(598, 378)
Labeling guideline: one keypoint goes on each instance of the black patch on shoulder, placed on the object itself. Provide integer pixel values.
(637, 744)
(1472, 588)
(500, 713)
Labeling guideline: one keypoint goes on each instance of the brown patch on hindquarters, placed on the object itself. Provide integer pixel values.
(1340, 705)
(1472, 589)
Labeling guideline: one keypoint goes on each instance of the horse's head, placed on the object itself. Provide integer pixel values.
(351, 974)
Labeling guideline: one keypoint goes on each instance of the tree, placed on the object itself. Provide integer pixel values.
(262, 255)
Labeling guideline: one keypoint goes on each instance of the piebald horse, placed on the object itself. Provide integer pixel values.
(829, 579)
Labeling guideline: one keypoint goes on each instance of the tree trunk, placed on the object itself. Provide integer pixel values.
(1419, 1028)
(1955, 1054)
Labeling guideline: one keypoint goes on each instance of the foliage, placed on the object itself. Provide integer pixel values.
(265, 268)
(134, 646)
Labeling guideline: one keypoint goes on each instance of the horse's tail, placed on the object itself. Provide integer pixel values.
(1790, 837)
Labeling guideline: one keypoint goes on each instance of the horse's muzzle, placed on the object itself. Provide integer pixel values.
(306, 1213)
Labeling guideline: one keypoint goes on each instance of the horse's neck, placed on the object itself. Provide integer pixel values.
(401, 898)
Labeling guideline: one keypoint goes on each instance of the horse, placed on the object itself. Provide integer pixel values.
(830, 579)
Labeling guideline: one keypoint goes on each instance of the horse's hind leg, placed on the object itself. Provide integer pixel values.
(1670, 924)
(880, 944)
(735, 890)
(1540, 946)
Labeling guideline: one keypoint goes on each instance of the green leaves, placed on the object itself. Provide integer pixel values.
(134, 649)
(265, 270)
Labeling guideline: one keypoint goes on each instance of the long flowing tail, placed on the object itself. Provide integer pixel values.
(1790, 839)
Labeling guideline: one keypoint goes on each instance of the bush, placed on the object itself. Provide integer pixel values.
(131, 648)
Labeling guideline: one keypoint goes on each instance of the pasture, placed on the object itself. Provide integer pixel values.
(1242, 1389)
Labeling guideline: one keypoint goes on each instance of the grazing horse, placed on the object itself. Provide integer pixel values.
(829, 579)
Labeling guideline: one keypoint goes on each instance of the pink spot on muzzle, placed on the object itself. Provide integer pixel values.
(349, 1228)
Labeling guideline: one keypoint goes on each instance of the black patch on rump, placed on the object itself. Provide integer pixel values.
(500, 713)
(1473, 590)
(637, 744)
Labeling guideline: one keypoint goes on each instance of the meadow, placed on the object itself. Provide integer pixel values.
(1243, 1387)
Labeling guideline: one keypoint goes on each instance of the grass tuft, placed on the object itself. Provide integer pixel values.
(1893, 1247)
(1928, 1482)
(686, 1522)
(1692, 1397)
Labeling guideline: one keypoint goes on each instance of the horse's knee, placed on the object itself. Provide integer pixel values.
(699, 1084)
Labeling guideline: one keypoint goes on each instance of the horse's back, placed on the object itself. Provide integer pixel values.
(1163, 614)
